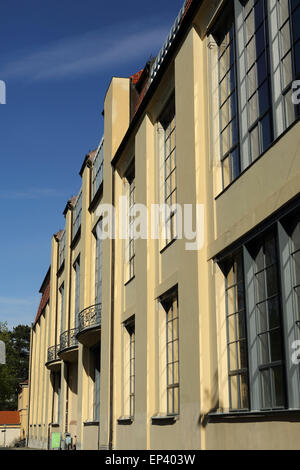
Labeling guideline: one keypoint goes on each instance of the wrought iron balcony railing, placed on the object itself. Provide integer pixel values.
(68, 339)
(53, 353)
(89, 317)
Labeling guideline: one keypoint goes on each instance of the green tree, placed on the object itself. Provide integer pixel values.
(15, 370)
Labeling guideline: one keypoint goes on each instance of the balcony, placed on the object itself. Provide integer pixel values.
(68, 350)
(53, 360)
(89, 324)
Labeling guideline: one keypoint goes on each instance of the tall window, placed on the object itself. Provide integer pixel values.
(244, 85)
(295, 257)
(98, 265)
(56, 385)
(286, 59)
(167, 121)
(61, 291)
(268, 313)
(255, 323)
(236, 334)
(288, 18)
(130, 328)
(62, 245)
(130, 176)
(58, 381)
(77, 289)
(256, 34)
(170, 304)
(96, 380)
(228, 106)
(77, 214)
(97, 169)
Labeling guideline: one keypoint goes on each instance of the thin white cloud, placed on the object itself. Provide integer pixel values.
(88, 53)
(31, 193)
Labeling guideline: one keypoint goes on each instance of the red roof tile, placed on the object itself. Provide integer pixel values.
(187, 6)
(43, 302)
(135, 77)
(9, 417)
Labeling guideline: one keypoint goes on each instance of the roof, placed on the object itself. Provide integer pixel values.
(45, 281)
(88, 158)
(70, 204)
(9, 417)
(44, 301)
(58, 235)
(135, 77)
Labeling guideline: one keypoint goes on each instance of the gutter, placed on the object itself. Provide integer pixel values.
(29, 391)
(112, 305)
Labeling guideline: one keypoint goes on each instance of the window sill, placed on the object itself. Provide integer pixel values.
(275, 141)
(283, 413)
(91, 423)
(125, 420)
(164, 420)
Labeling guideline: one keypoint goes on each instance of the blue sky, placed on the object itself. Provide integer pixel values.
(57, 58)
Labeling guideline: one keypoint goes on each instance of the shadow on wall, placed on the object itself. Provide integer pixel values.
(211, 398)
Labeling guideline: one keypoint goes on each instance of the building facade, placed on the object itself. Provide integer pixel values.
(23, 399)
(183, 333)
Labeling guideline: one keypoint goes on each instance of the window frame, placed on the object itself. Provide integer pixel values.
(130, 186)
(167, 301)
(129, 326)
(239, 372)
(167, 116)
(98, 169)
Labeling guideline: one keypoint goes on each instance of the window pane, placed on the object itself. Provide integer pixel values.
(278, 386)
(231, 328)
(244, 391)
(266, 389)
(275, 345)
(296, 25)
(283, 11)
(234, 392)
(242, 351)
(262, 317)
(176, 400)
(266, 132)
(261, 286)
(264, 102)
(261, 69)
(287, 71)
(271, 277)
(241, 331)
(273, 309)
(254, 140)
(285, 38)
(253, 109)
(264, 348)
(176, 372)
(296, 258)
(226, 172)
(231, 306)
(233, 360)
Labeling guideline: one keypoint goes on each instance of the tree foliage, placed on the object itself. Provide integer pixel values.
(17, 342)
